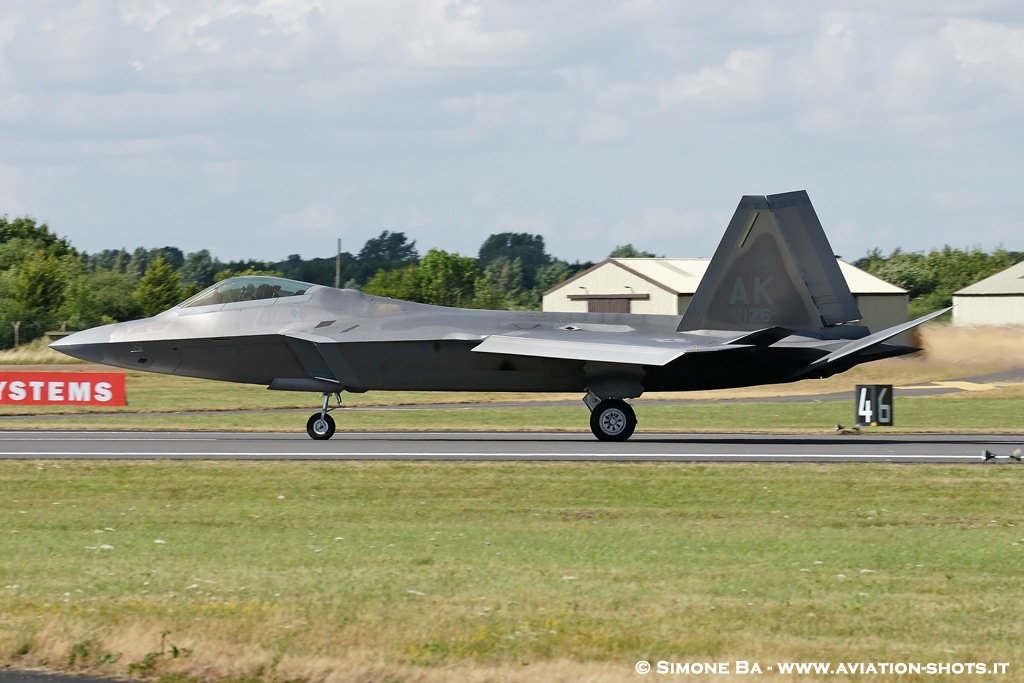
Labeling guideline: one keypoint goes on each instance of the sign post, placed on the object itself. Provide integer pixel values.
(874, 405)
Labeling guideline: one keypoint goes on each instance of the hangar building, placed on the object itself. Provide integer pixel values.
(996, 300)
(666, 286)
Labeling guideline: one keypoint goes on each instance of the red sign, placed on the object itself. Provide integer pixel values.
(62, 389)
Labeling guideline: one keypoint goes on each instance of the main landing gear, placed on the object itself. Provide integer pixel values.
(320, 426)
(611, 419)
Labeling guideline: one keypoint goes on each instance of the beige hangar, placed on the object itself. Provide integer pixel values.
(666, 285)
(996, 300)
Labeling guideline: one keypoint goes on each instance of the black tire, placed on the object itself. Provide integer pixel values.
(320, 429)
(613, 420)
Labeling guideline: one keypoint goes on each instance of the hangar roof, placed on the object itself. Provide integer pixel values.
(1009, 281)
(682, 275)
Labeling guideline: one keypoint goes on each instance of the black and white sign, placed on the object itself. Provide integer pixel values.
(874, 405)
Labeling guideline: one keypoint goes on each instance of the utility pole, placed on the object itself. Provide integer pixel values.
(337, 267)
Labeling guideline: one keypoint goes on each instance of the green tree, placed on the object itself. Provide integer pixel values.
(100, 297)
(159, 287)
(447, 279)
(388, 251)
(528, 249)
(486, 295)
(319, 271)
(115, 260)
(25, 228)
(172, 255)
(225, 274)
(909, 271)
(138, 263)
(441, 279)
(629, 251)
(930, 279)
(389, 248)
(552, 274)
(39, 285)
(403, 283)
(199, 269)
(501, 284)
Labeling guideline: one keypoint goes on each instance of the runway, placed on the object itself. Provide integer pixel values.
(504, 447)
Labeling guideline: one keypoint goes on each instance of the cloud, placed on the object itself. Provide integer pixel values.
(745, 75)
(319, 220)
(601, 129)
(443, 116)
(222, 177)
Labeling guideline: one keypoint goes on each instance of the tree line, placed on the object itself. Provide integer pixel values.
(46, 284)
(931, 278)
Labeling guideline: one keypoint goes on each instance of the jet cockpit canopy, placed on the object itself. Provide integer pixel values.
(247, 288)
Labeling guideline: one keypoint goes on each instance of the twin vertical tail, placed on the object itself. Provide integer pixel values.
(773, 268)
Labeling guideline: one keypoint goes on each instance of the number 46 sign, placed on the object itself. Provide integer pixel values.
(874, 405)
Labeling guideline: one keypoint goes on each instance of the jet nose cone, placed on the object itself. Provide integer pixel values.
(88, 345)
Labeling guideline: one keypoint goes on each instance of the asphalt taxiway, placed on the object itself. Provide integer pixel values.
(20, 676)
(548, 447)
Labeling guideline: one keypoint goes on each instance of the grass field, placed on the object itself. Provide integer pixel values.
(199, 571)
(431, 572)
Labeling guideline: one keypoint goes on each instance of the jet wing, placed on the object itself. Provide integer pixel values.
(630, 349)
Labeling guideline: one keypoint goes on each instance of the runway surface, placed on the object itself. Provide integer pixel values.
(19, 676)
(548, 447)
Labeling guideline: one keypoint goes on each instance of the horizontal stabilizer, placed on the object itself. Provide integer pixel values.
(874, 339)
(765, 337)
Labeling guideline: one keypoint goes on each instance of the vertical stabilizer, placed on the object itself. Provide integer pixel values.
(773, 268)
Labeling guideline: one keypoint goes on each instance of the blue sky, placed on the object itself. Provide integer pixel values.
(273, 127)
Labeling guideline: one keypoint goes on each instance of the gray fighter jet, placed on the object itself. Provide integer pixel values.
(773, 307)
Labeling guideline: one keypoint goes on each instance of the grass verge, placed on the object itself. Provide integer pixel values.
(431, 572)
(969, 413)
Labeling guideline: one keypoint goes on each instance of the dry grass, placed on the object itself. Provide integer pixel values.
(1002, 346)
(35, 352)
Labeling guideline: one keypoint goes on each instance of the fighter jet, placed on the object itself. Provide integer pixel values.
(773, 307)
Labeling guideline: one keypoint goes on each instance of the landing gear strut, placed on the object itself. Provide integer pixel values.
(611, 419)
(320, 426)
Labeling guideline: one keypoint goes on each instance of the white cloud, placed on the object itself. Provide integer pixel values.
(996, 50)
(983, 42)
(318, 220)
(745, 75)
(222, 177)
(672, 229)
(602, 129)
(143, 13)
(446, 116)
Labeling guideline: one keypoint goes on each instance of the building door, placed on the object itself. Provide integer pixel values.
(616, 305)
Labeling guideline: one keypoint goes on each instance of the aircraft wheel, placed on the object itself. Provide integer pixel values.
(613, 420)
(320, 428)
